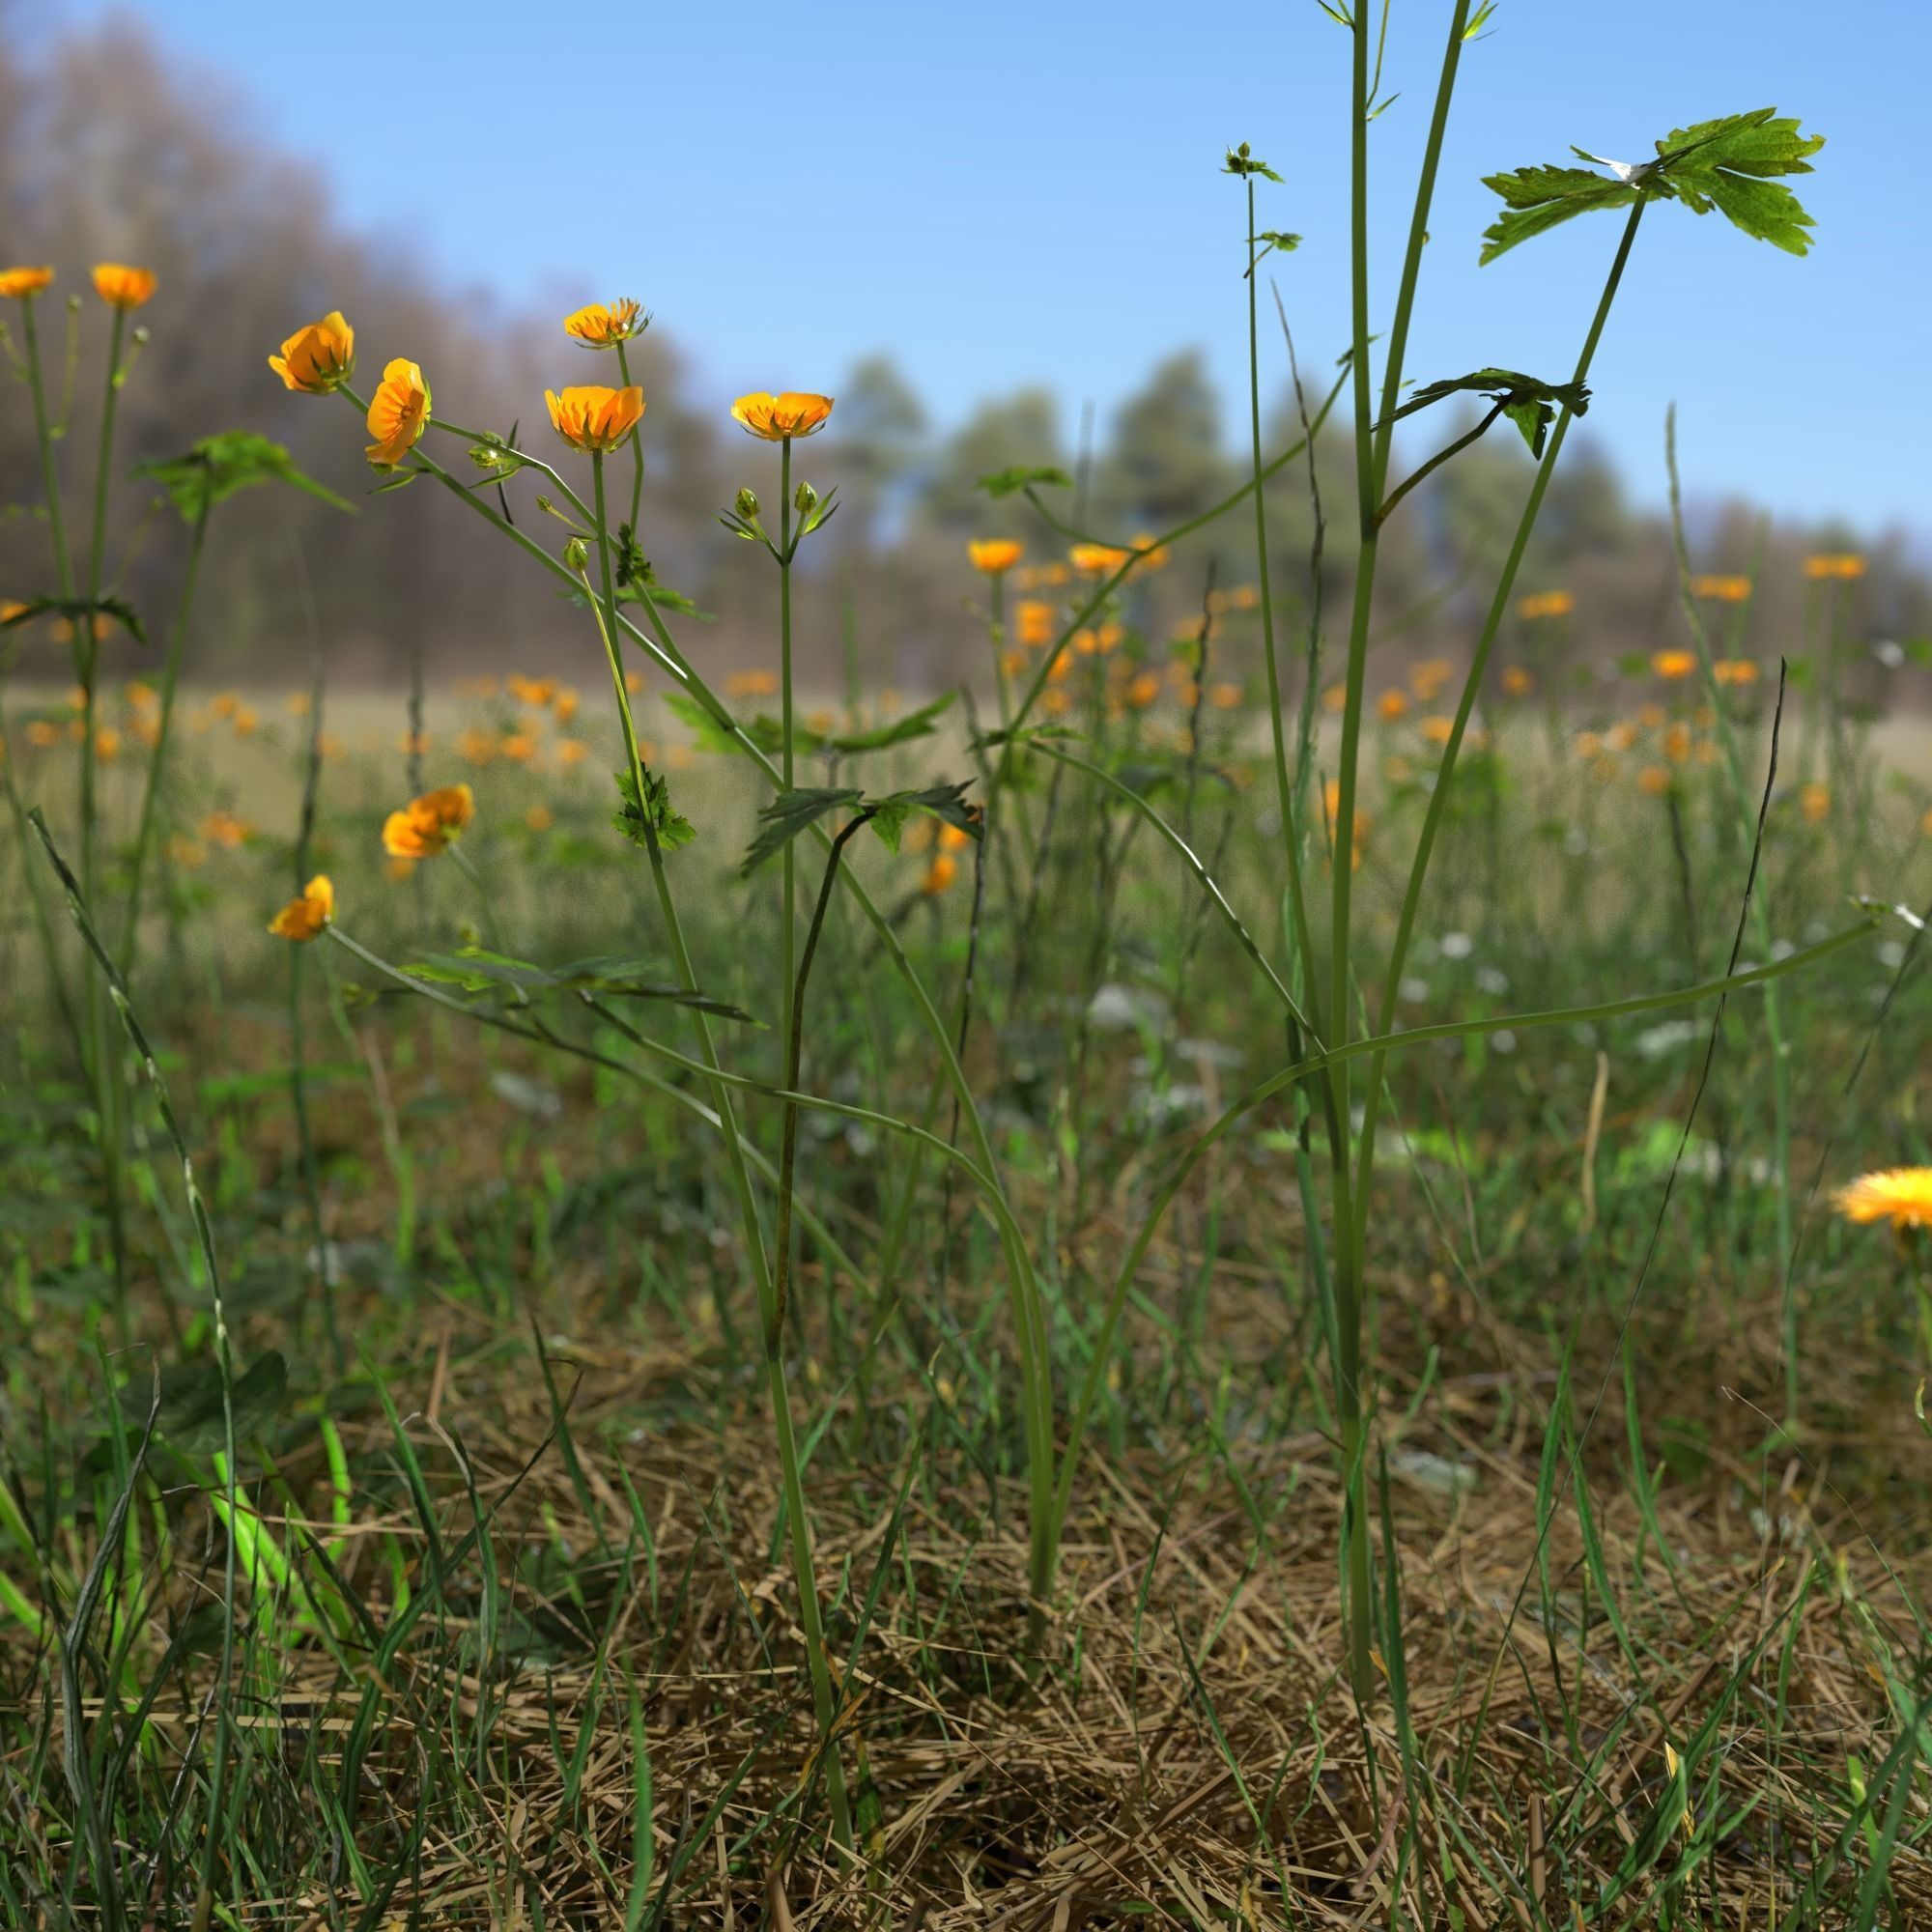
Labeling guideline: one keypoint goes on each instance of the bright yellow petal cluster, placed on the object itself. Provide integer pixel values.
(595, 419)
(25, 282)
(604, 325)
(428, 824)
(317, 358)
(994, 554)
(121, 287)
(1674, 664)
(303, 918)
(1900, 1195)
(1094, 560)
(398, 412)
(782, 418)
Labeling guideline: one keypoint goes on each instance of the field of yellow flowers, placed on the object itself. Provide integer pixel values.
(1221, 1275)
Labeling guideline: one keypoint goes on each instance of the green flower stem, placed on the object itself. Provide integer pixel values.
(87, 650)
(787, 936)
(224, 1362)
(1029, 1318)
(43, 436)
(158, 764)
(804, 1575)
(637, 441)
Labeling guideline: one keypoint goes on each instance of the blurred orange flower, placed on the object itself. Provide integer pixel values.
(1814, 801)
(1224, 697)
(1654, 780)
(1094, 560)
(25, 282)
(1036, 624)
(317, 358)
(993, 555)
(780, 419)
(1834, 564)
(751, 683)
(939, 875)
(303, 918)
(572, 752)
(428, 824)
(519, 747)
(1725, 590)
(1439, 731)
(1545, 604)
(536, 690)
(121, 287)
(605, 325)
(1517, 681)
(106, 743)
(954, 838)
(594, 418)
(1143, 690)
(476, 746)
(1392, 705)
(539, 818)
(224, 829)
(40, 734)
(398, 412)
(1900, 1195)
(1674, 664)
(1735, 670)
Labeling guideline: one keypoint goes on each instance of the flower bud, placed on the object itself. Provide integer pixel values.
(747, 505)
(577, 554)
(804, 499)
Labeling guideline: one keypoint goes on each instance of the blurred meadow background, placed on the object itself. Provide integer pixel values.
(1114, 1117)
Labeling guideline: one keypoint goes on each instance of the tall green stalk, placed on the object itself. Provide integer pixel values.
(798, 1524)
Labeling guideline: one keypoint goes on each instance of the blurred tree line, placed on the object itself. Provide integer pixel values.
(246, 248)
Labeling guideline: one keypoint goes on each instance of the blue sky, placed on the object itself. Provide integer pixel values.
(1010, 193)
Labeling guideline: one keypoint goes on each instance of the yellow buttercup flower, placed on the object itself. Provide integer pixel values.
(782, 418)
(318, 356)
(590, 417)
(303, 918)
(398, 412)
(605, 325)
(428, 824)
(25, 282)
(1900, 1195)
(993, 555)
(1093, 559)
(121, 287)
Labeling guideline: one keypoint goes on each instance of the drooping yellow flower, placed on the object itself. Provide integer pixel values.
(398, 412)
(1544, 603)
(592, 418)
(303, 918)
(1674, 664)
(428, 824)
(1900, 1195)
(1724, 589)
(993, 555)
(605, 325)
(1735, 670)
(782, 418)
(1093, 559)
(318, 356)
(121, 287)
(25, 282)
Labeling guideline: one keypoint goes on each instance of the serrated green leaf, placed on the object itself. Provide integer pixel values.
(943, 802)
(788, 815)
(78, 610)
(637, 820)
(218, 466)
(1530, 403)
(901, 730)
(1726, 164)
(1009, 482)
